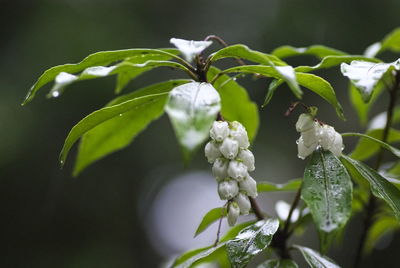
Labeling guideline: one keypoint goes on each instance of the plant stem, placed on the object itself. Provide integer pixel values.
(372, 202)
(256, 209)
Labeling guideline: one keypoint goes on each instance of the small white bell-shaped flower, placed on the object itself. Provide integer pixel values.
(229, 148)
(311, 136)
(219, 131)
(304, 123)
(211, 152)
(303, 150)
(189, 48)
(237, 170)
(239, 133)
(228, 189)
(327, 137)
(233, 213)
(247, 157)
(243, 202)
(337, 145)
(220, 168)
(249, 186)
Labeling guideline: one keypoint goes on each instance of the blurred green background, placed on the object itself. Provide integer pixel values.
(104, 218)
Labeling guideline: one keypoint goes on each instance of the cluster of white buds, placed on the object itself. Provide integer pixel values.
(314, 135)
(232, 160)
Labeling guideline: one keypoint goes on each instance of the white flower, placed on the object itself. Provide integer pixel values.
(239, 133)
(337, 145)
(228, 189)
(220, 168)
(331, 140)
(243, 202)
(304, 123)
(282, 209)
(312, 135)
(189, 48)
(304, 151)
(219, 130)
(233, 213)
(211, 151)
(248, 159)
(237, 170)
(229, 148)
(249, 186)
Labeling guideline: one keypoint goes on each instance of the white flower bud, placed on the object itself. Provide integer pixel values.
(219, 130)
(304, 123)
(237, 170)
(249, 186)
(248, 159)
(189, 48)
(233, 213)
(212, 152)
(327, 137)
(220, 168)
(243, 202)
(337, 145)
(228, 189)
(239, 133)
(304, 151)
(229, 148)
(311, 135)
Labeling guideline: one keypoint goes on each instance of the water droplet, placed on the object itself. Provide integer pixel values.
(55, 94)
(234, 79)
(120, 114)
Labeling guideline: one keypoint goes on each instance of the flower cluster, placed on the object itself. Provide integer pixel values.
(314, 135)
(232, 161)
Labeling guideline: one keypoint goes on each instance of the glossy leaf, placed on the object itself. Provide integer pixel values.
(391, 42)
(102, 58)
(265, 186)
(212, 216)
(379, 120)
(380, 187)
(233, 94)
(318, 51)
(367, 148)
(367, 76)
(251, 241)
(119, 131)
(149, 106)
(192, 109)
(279, 263)
(315, 259)
(244, 52)
(327, 191)
(273, 86)
(381, 226)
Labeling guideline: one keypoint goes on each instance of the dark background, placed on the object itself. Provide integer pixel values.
(101, 218)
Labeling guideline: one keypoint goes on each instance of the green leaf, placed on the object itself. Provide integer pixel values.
(233, 94)
(208, 219)
(285, 73)
(265, 186)
(318, 51)
(315, 259)
(251, 241)
(380, 143)
(321, 87)
(368, 76)
(332, 61)
(149, 106)
(271, 90)
(327, 191)
(102, 58)
(234, 231)
(391, 42)
(367, 147)
(192, 109)
(382, 226)
(380, 187)
(285, 263)
(243, 52)
(119, 131)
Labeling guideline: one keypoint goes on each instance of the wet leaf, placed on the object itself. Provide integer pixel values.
(382, 226)
(231, 94)
(327, 191)
(315, 259)
(285, 263)
(368, 76)
(212, 216)
(367, 147)
(380, 187)
(318, 51)
(391, 42)
(265, 186)
(251, 241)
(192, 109)
(120, 130)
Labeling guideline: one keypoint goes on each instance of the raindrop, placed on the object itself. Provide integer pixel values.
(55, 94)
